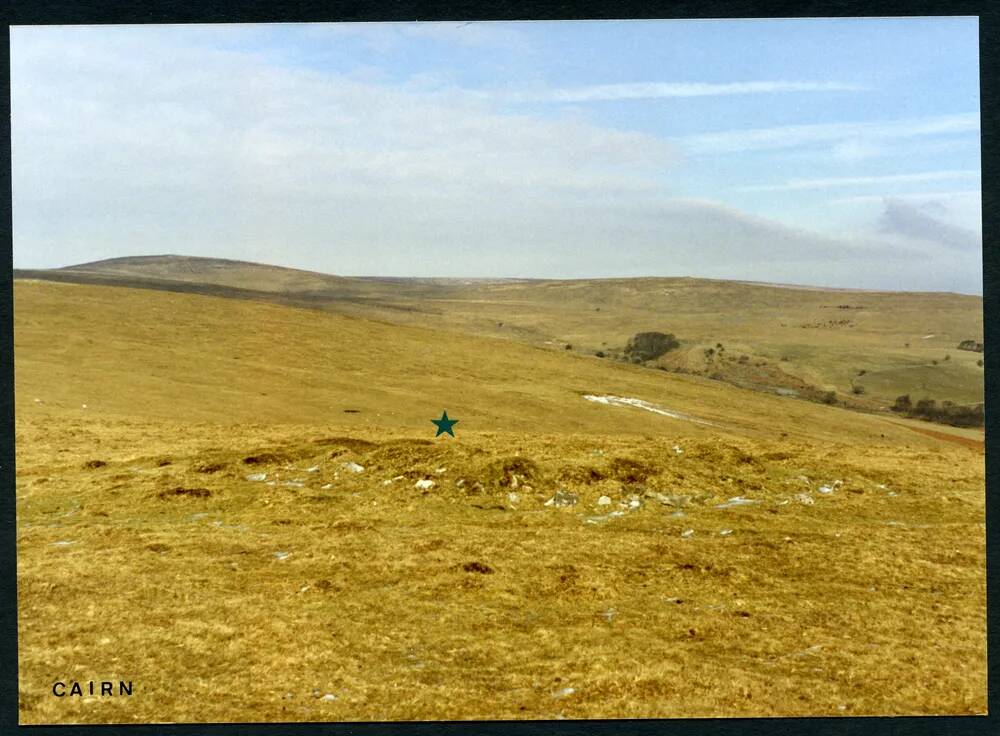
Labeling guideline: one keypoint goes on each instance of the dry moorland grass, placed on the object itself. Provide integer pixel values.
(148, 550)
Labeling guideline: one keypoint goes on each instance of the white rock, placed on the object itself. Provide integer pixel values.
(513, 497)
(736, 501)
(460, 482)
(725, 532)
(282, 555)
(257, 476)
(424, 484)
(687, 533)
(678, 450)
(634, 503)
(441, 470)
(825, 489)
(293, 483)
(564, 693)
(313, 469)
(327, 487)
(805, 499)
(354, 467)
(604, 501)
(329, 697)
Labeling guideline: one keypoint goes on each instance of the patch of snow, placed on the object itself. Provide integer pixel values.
(640, 404)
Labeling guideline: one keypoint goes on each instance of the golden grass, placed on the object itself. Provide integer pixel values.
(461, 601)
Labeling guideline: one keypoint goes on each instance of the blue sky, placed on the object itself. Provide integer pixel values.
(840, 152)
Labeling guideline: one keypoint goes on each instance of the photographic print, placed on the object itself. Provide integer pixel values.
(498, 370)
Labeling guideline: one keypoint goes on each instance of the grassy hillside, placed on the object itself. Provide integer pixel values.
(868, 347)
(245, 484)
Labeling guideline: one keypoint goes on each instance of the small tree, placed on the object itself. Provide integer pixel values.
(903, 403)
(830, 397)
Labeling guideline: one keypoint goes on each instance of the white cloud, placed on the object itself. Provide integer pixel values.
(851, 181)
(652, 90)
(793, 136)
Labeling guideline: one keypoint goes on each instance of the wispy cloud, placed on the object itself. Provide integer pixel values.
(852, 181)
(654, 90)
(792, 136)
(910, 197)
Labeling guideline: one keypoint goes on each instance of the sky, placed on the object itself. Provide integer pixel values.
(832, 152)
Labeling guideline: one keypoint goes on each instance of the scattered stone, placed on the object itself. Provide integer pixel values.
(354, 467)
(313, 469)
(825, 489)
(441, 470)
(424, 484)
(604, 501)
(387, 482)
(564, 693)
(678, 450)
(94, 464)
(805, 499)
(687, 533)
(460, 482)
(282, 555)
(678, 515)
(257, 476)
(329, 697)
(605, 517)
(725, 532)
(293, 483)
(513, 497)
(563, 499)
(609, 615)
(634, 503)
(327, 487)
(736, 501)
(63, 543)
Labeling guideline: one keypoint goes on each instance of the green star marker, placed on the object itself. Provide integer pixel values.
(444, 424)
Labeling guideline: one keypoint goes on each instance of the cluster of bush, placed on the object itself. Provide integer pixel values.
(947, 412)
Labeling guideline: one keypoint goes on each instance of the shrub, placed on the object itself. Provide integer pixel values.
(857, 389)
(744, 358)
(980, 362)
(903, 403)
(709, 352)
(599, 353)
(650, 345)
(830, 397)
(862, 372)
(569, 347)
